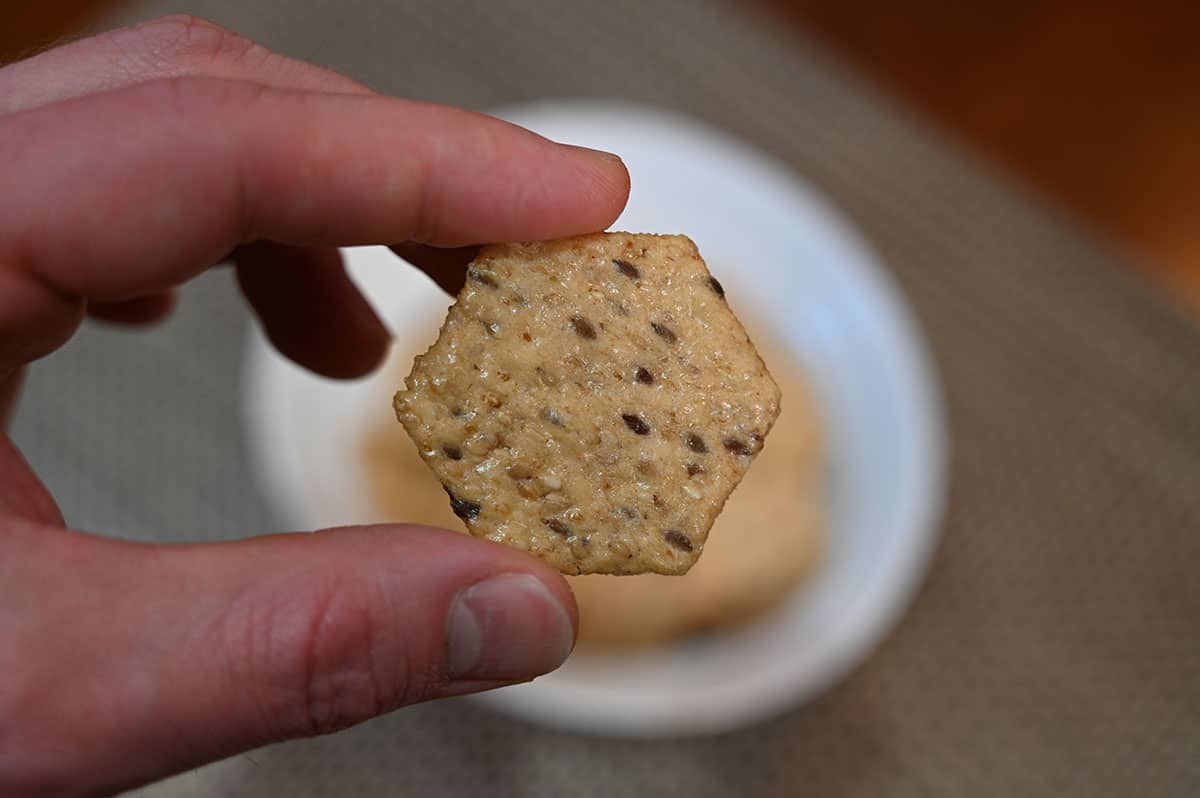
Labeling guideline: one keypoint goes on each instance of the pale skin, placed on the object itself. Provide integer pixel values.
(133, 161)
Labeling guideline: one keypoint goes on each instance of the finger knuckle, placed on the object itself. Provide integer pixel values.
(342, 667)
(325, 662)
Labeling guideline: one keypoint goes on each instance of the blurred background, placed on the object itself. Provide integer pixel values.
(1028, 173)
(1095, 106)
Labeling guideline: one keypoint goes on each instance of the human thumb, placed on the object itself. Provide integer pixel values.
(127, 662)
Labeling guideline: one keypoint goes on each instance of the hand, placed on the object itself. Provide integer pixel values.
(132, 162)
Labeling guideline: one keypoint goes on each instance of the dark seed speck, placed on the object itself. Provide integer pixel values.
(716, 286)
(678, 540)
(483, 278)
(694, 468)
(628, 269)
(696, 443)
(583, 328)
(558, 526)
(735, 446)
(635, 424)
(453, 452)
(644, 376)
(464, 509)
(663, 332)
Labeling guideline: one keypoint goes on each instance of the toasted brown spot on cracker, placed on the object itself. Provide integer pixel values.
(644, 376)
(696, 443)
(452, 451)
(519, 471)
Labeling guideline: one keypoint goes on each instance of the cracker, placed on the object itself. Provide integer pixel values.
(591, 400)
(764, 546)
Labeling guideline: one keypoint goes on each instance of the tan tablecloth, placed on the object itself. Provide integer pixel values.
(1055, 649)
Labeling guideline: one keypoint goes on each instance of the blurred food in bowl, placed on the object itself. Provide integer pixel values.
(765, 543)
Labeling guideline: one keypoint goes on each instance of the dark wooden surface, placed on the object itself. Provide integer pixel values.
(1096, 104)
(1099, 107)
(29, 25)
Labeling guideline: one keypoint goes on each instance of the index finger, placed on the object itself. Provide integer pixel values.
(129, 192)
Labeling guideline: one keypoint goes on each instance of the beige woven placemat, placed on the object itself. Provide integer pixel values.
(1055, 649)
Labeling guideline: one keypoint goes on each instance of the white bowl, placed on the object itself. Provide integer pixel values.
(784, 255)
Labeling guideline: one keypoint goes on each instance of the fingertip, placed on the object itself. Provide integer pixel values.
(468, 558)
(489, 180)
(610, 182)
(591, 200)
(509, 626)
(509, 617)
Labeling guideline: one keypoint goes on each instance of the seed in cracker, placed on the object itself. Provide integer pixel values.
(735, 446)
(481, 276)
(583, 328)
(678, 539)
(664, 332)
(635, 424)
(626, 268)
(582, 384)
(463, 508)
(559, 527)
